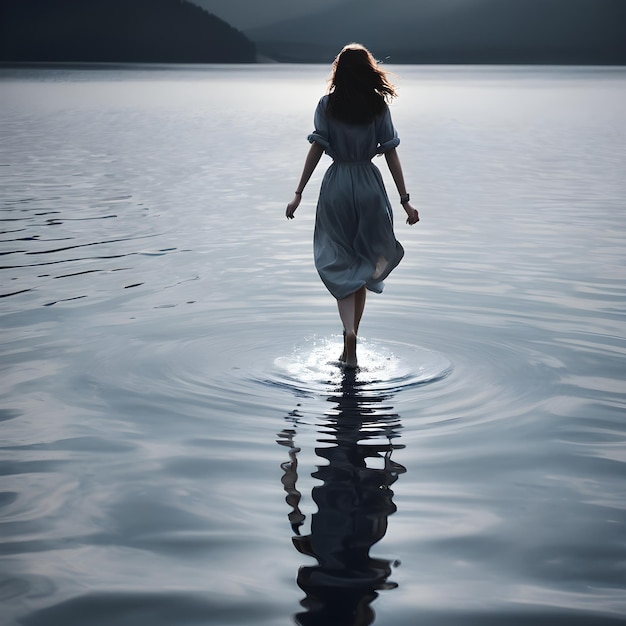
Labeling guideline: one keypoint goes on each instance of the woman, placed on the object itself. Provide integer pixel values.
(354, 244)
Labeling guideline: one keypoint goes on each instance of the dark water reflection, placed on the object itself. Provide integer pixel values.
(354, 501)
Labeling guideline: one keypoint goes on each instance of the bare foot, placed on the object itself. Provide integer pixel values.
(350, 351)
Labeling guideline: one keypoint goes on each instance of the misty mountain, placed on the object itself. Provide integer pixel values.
(142, 31)
(457, 31)
(247, 14)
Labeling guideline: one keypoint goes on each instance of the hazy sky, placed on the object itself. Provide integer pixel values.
(243, 14)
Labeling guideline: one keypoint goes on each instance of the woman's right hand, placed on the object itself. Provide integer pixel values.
(292, 206)
(412, 215)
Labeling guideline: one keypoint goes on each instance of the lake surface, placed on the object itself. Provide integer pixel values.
(178, 445)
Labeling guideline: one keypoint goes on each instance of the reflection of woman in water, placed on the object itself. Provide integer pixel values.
(354, 244)
(353, 504)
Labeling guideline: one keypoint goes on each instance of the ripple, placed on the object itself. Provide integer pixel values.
(257, 378)
(387, 366)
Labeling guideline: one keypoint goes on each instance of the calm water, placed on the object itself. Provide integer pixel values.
(178, 446)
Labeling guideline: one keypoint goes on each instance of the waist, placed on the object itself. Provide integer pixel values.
(363, 162)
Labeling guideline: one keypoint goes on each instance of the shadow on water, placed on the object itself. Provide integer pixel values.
(356, 438)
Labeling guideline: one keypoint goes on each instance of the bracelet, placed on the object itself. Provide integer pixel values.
(405, 198)
(298, 193)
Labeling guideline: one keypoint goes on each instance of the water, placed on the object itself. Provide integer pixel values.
(178, 445)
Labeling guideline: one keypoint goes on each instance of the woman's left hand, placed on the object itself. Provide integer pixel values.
(413, 215)
(292, 206)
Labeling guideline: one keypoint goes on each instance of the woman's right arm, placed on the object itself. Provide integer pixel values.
(312, 159)
(393, 161)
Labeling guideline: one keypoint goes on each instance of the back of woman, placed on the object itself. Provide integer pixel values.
(354, 244)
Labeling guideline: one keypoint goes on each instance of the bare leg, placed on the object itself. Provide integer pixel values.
(350, 312)
(342, 358)
(359, 305)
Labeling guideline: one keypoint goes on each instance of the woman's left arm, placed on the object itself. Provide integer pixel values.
(312, 159)
(393, 161)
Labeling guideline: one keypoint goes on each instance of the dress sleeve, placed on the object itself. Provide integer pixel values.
(386, 135)
(320, 121)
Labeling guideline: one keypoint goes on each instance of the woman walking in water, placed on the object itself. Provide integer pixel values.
(354, 245)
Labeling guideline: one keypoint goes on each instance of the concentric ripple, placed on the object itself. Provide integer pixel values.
(383, 366)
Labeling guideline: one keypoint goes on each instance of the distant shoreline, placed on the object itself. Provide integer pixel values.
(264, 63)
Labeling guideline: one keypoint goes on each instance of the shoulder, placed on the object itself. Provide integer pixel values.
(384, 109)
(385, 114)
(322, 105)
(321, 116)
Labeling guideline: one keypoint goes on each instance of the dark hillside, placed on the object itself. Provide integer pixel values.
(140, 31)
(587, 32)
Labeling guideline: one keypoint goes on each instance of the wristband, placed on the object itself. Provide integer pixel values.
(405, 198)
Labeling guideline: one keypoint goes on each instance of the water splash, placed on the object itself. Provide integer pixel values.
(387, 366)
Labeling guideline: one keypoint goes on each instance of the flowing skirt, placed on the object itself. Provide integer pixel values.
(354, 243)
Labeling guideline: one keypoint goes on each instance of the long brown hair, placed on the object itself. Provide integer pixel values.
(358, 88)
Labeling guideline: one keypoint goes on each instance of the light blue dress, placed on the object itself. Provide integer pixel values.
(354, 242)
